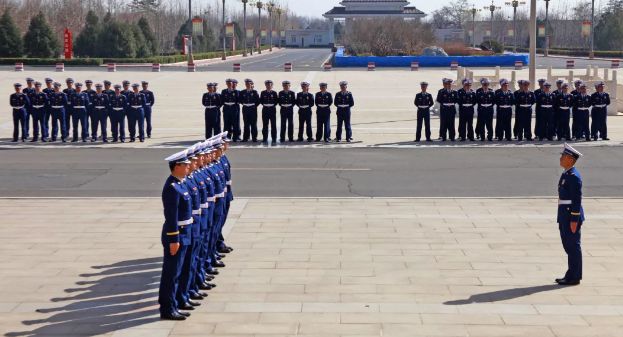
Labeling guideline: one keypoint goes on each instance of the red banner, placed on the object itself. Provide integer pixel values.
(68, 48)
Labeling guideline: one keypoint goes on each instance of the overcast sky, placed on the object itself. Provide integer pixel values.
(318, 7)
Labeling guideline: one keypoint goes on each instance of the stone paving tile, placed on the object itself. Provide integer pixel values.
(363, 267)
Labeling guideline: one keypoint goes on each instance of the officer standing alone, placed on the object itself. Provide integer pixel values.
(599, 113)
(212, 103)
(150, 100)
(344, 102)
(423, 101)
(570, 215)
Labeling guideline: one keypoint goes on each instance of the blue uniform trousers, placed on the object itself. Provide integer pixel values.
(343, 118)
(58, 121)
(169, 280)
(136, 116)
(46, 122)
(38, 123)
(269, 116)
(446, 122)
(503, 123)
(581, 123)
(183, 290)
(466, 122)
(249, 118)
(305, 116)
(99, 118)
(117, 124)
(27, 124)
(523, 120)
(423, 118)
(571, 242)
(212, 122)
(323, 124)
(79, 116)
(598, 124)
(89, 118)
(68, 118)
(219, 216)
(563, 130)
(546, 123)
(147, 111)
(484, 121)
(287, 121)
(231, 121)
(19, 123)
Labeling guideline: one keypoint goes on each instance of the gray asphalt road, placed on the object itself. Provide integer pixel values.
(301, 59)
(395, 172)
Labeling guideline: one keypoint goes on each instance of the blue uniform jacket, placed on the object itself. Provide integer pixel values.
(570, 197)
(211, 100)
(249, 99)
(423, 100)
(193, 189)
(227, 170)
(80, 99)
(219, 187)
(600, 100)
(485, 99)
(19, 101)
(447, 99)
(343, 101)
(304, 100)
(150, 99)
(58, 100)
(39, 101)
(504, 98)
(177, 206)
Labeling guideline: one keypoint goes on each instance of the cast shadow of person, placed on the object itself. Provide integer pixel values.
(122, 297)
(503, 295)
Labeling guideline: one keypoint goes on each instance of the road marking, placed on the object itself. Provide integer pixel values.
(299, 169)
(553, 197)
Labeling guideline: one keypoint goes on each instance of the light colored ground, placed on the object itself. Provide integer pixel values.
(316, 267)
(383, 114)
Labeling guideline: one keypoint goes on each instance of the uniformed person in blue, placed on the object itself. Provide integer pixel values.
(564, 104)
(574, 112)
(504, 101)
(58, 104)
(323, 101)
(466, 98)
(19, 103)
(537, 106)
(545, 113)
(485, 97)
(305, 102)
(39, 104)
(599, 113)
(250, 99)
(269, 99)
(79, 103)
(150, 100)
(175, 235)
(126, 88)
(287, 100)
(48, 90)
(30, 92)
(99, 116)
(229, 195)
(231, 108)
(447, 99)
(557, 93)
(69, 91)
(524, 100)
(423, 101)
(136, 114)
(344, 102)
(570, 215)
(581, 119)
(212, 103)
(91, 93)
(118, 105)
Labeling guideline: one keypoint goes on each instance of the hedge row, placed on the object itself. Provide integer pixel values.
(40, 61)
(574, 52)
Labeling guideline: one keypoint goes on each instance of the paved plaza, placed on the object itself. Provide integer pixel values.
(315, 267)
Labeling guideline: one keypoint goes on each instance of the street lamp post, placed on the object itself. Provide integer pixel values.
(492, 8)
(190, 34)
(244, 24)
(474, 10)
(532, 54)
(515, 4)
(546, 52)
(591, 53)
(259, 26)
(224, 34)
(279, 11)
(270, 6)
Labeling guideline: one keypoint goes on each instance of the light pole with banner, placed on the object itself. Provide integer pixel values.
(244, 23)
(492, 8)
(259, 26)
(546, 49)
(270, 7)
(224, 57)
(591, 53)
(474, 10)
(190, 36)
(515, 4)
(279, 28)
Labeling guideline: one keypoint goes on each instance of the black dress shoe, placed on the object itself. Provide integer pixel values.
(194, 304)
(196, 297)
(218, 264)
(185, 314)
(204, 295)
(173, 317)
(212, 271)
(205, 287)
(558, 280)
(211, 285)
(605, 138)
(186, 306)
(565, 282)
(209, 277)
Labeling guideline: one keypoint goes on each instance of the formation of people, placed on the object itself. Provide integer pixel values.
(553, 111)
(196, 199)
(232, 99)
(81, 112)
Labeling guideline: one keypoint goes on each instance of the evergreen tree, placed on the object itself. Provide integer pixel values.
(117, 41)
(609, 29)
(40, 40)
(87, 42)
(150, 38)
(142, 47)
(11, 44)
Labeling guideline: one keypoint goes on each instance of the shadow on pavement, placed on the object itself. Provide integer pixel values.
(120, 296)
(503, 295)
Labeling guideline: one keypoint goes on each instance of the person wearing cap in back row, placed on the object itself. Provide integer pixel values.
(118, 106)
(250, 99)
(269, 100)
(30, 92)
(58, 102)
(287, 99)
(485, 98)
(175, 236)
(150, 100)
(581, 119)
(69, 91)
(504, 101)
(537, 106)
(79, 104)
(570, 215)
(99, 116)
(447, 99)
(323, 101)
(91, 93)
(564, 104)
(599, 113)
(136, 114)
(343, 100)
(39, 103)
(466, 98)
(231, 108)
(305, 102)
(48, 90)
(545, 113)
(19, 103)
(524, 100)
(212, 103)
(423, 101)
